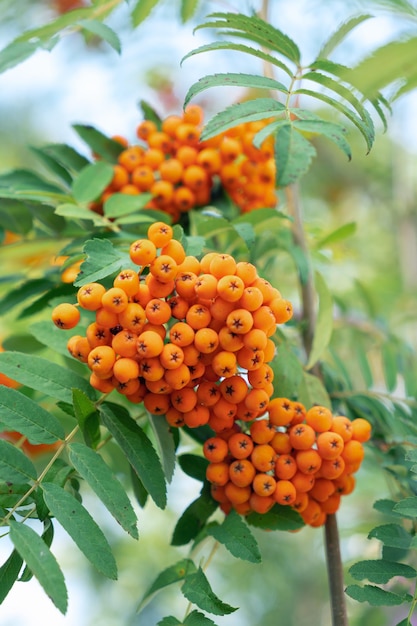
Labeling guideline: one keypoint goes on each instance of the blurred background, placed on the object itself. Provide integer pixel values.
(86, 81)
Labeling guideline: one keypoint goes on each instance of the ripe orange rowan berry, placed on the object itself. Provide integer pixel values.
(65, 316)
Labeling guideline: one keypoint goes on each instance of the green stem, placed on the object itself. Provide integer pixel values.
(308, 304)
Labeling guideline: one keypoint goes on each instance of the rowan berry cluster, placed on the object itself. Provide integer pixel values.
(180, 171)
(290, 456)
(190, 339)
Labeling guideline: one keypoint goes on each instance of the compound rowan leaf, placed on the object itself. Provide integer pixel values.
(38, 557)
(141, 10)
(103, 31)
(380, 571)
(100, 144)
(278, 518)
(312, 391)
(102, 260)
(15, 466)
(121, 204)
(138, 449)
(91, 181)
(193, 465)
(342, 31)
(197, 589)
(193, 519)
(91, 466)
(166, 444)
(169, 576)
(293, 155)
(42, 375)
(18, 412)
(188, 8)
(195, 618)
(235, 535)
(376, 596)
(81, 527)
(88, 418)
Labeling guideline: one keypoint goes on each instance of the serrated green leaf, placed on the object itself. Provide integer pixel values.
(100, 144)
(47, 536)
(233, 80)
(141, 10)
(312, 391)
(229, 45)
(42, 375)
(194, 245)
(55, 167)
(246, 232)
(16, 52)
(347, 230)
(92, 181)
(18, 412)
(102, 260)
(149, 113)
(407, 507)
(334, 132)
(235, 535)
(76, 212)
(293, 155)
(365, 128)
(193, 465)
(324, 324)
(288, 372)
(278, 518)
(11, 494)
(103, 31)
(376, 596)
(138, 449)
(380, 571)
(120, 204)
(81, 527)
(257, 30)
(49, 335)
(195, 618)
(91, 466)
(166, 445)
(170, 620)
(88, 418)
(15, 466)
(9, 573)
(41, 561)
(193, 519)
(169, 576)
(249, 111)
(392, 535)
(66, 156)
(139, 490)
(197, 589)
(342, 31)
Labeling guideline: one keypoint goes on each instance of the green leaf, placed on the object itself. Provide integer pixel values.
(169, 576)
(170, 620)
(235, 535)
(88, 418)
(55, 167)
(76, 212)
(342, 31)
(392, 535)
(278, 518)
(15, 466)
(233, 80)
(41, 561)
(23, 292)
(312, 391)
(376, 596)
(103, 31)
(365, 127)
(166, 444)
(138, 449)
(120, 204)
(256, 30)
(249, 111)
(188, 9)
(389, 353)
(81, 527)
(42, 375)
(65, 155)
(347, 230)
(49, 335)
(18, 412)
(11, 494)
(245, 232)
(324, 324)
(288, 372)
(334, 132)
(104, 483)
(407, 507)
(196, 589)
(141, 10)
(100, 144)
(293, 155)
(229, 45)
(149, 113)
(193, 465)
(47, 536)
(92, 180)
(380, 571)
(102, 260)
(195, 618)
(16, 52)
(139, 490)
(9, 573)
(193, 519)
(386, 65)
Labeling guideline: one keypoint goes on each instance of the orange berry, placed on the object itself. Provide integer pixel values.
(115, 300)
(263, 457)
(285, 466)
(193, 114)
(124, 343)
(160, 234)
(281, 443)
(257, 400)
(206, 340)
(101, 360)
(215, 449)
(319, 418)
(198, 316)
(218, 473)
(171, 356)
(330, 445)
(285, 492)
(224, 363)
(158, 311)
(142, 251)
(240, 445)
(145, 129)
(65, 316)
(184, 399)
(302, 436)
(343, 426)
(230, 288)
(264, 484)
(98, 336)
(353, 451)
(234, 389)
(361, 430)
(171, 170)
(125, 368)
(308, 461)
(149, 344)
(89, 296)
(242, 472)
(240, 322)
(205, 286)
(198, 416)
